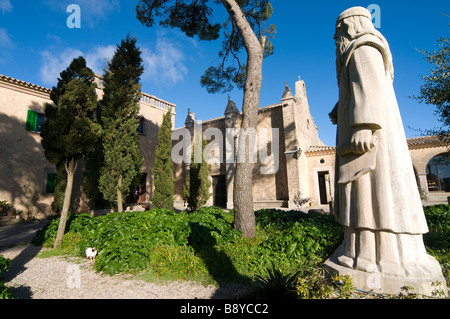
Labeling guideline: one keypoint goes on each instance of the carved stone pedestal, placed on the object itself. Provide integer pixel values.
(385, 284)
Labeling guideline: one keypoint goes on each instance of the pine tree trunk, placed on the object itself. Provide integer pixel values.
(242, 194)
(70, 166)
(119, 195)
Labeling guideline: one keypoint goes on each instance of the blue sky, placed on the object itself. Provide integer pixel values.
(36, 45)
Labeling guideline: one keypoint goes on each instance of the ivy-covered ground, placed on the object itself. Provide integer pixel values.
(203, 246)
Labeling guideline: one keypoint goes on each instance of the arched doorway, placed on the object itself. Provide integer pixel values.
(438, 173)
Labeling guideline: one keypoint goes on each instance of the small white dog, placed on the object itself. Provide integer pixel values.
(91, 253)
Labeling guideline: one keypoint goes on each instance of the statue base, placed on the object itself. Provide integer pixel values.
(385, 284)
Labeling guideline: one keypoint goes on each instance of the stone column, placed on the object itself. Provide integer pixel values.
(291, 145)
(231, 122)
(423, 183)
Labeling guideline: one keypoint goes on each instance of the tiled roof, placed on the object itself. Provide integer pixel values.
(321, 149)
(417, 142)
(24, 84)
(432, 140)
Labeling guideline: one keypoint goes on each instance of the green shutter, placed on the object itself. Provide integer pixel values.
(31, 121)
(50, 189)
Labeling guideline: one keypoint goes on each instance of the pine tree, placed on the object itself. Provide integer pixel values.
(163, 170)
(196, 192)
(119, 117)
(70, 132)
(244, 29)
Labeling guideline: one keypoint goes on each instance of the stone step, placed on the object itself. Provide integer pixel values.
(438, 196)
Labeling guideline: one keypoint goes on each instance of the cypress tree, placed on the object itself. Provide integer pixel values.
(163, 170)
(119, 117)
(91, 176)
(197, 192)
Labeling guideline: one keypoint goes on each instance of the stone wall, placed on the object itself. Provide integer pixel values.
(22, 156)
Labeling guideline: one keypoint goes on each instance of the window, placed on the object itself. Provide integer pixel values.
(34, 121)
(141, 126)
(50, 187)
(438, 173)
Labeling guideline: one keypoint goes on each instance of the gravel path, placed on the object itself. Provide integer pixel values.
(31, 277)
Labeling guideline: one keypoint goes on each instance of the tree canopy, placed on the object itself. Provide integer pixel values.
(70, 132)
(195, 18)
(436, 90)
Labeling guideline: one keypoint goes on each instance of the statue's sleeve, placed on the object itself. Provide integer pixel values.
(367, 79)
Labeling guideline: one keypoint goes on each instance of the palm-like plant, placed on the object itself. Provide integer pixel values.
(276, 285)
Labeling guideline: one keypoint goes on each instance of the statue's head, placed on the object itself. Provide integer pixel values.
(350, 24)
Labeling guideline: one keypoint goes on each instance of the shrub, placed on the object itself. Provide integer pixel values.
(437, 240)
(314, 283)
(5, 292)
(178, 263)
(211, 226)
(75, 222)
(294, 238)
(5, 206)
(124, 240)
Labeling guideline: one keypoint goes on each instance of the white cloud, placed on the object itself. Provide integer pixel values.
(164, 63)
(5, 41)
(5, 6)
(54, 63)
(97, 58)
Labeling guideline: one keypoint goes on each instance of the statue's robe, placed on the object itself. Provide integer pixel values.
(376, 190)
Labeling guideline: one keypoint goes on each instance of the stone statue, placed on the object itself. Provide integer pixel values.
(376, 194)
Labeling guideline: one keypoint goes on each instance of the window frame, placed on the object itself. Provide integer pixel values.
(141, 127)
(34, 121)
(50, 176)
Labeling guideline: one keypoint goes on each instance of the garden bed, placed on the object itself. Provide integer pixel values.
(203, 246)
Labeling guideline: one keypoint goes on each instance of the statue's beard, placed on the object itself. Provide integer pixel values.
(342, 45)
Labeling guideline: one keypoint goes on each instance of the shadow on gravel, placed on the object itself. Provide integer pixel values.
(18, 237)
(18, 266)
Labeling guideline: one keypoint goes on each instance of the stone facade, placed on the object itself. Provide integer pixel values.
(297, 133)
(23, 161)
